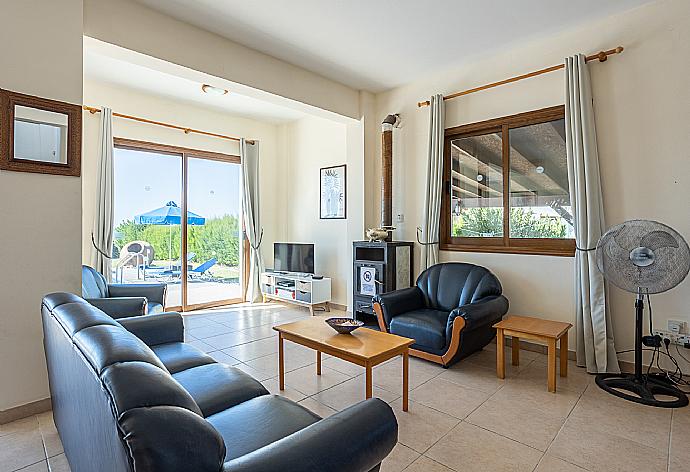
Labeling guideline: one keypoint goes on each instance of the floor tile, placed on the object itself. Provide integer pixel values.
(529, 395)
(257, 374)
(345, 367)
(37, 467)
(474, 376)
(448, 397)
(646, 425)
(424, 464)
(59, 463)
(22, 425)
(201, 345)
(469, 448)
(223, 358)
(317, 407)
(420, 427)
(536, 373)
(525, 424)
(550, 463)
(273, 386)
(49, 434)
(680, 439)
(21, 449)
(208, 331)
(487, 358)
(389, 375)
(400, 457)
(252, 350)
(305, 379)
(348, 393)
(584, 444)
(293, 361)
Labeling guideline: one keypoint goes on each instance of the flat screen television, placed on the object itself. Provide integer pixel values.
(291, 257)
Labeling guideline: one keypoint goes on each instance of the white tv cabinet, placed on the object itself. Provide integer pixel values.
(296, 288)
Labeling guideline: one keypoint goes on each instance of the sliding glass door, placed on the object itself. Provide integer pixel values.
(178, 222)
(214, 248)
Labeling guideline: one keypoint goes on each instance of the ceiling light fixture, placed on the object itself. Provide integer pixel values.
(210, 89)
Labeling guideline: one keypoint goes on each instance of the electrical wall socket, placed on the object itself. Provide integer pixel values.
(675, 338)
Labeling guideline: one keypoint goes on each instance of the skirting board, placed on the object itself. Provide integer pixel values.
(24, 411)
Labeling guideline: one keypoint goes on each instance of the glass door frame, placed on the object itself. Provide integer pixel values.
(185, 154)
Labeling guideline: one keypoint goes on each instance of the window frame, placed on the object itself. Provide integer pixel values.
(504, 244)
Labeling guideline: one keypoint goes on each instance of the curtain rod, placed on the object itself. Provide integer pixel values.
(602, 56)
(93, 110)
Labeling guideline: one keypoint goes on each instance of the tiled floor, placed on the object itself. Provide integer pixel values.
(460, 419)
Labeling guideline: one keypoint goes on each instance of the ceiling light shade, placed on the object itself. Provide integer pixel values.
(210, 89)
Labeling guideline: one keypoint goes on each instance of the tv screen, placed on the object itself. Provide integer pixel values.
(289, 257)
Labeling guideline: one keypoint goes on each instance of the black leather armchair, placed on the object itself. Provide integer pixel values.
(449, 312)
(121, 300)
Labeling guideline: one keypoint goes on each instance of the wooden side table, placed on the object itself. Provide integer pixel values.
(546, 331)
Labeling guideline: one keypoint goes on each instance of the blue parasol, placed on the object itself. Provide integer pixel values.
(168, 215)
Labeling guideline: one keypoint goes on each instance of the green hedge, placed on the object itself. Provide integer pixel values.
(523, 223)
(219, 238)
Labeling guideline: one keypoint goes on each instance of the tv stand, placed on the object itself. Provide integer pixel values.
(296, 288)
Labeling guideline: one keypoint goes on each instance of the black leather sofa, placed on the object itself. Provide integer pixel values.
(130, 395)
(121, 300)
(449, 312)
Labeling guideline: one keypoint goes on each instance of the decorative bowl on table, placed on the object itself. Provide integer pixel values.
(344, 325)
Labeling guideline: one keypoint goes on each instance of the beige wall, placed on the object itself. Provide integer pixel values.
(134, 26)
(132, 102)
(40, 219)
(642, 106)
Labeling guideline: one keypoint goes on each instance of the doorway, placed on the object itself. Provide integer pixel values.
(178, 221)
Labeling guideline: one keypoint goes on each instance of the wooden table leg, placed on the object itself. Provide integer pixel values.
(500, 354)
(552, 365)
(369, 383)
(406, 375)
(515, 355)
(281, 362)
(564, 355)
(318, 362)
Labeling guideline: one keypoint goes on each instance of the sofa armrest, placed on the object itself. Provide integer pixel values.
(354, 440)
(399, 301)
(121, 307)
(155, 293)
(156, 329)
(487, 311)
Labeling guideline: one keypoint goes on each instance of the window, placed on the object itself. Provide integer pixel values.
(506, 186)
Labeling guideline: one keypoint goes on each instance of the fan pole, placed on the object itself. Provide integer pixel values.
(639, 322)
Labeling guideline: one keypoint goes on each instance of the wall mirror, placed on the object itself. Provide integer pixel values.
(39, 135)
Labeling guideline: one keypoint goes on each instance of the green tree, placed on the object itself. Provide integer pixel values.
(524, 223)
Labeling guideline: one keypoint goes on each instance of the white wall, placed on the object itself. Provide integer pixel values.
(312, 143)
(133, 102)
(139, 28)
(642, 106)
(40, 218)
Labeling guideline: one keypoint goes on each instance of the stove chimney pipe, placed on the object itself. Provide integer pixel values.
(390, 122)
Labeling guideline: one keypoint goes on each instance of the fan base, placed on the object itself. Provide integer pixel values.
(644, 391)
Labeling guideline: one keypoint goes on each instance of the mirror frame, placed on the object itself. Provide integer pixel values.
(8, 101)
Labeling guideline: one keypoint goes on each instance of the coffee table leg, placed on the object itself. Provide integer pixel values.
(564, 355)
(406, 375)
(318, 362)
(515, 356)
(369, 383)
(552, 365)
(281, 362)
(500, 354)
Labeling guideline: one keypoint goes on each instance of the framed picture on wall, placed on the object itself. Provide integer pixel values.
(332, 194)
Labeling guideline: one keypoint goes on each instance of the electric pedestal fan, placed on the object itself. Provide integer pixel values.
(643, 257)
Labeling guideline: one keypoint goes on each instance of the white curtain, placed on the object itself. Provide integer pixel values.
(595, 348)
(249, 154)
(102, 229)
(434, 179)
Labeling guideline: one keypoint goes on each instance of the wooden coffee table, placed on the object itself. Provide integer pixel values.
(538, 329)
(364, 347)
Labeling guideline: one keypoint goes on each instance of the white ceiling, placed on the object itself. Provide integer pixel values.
(109, 64)
(379, 44)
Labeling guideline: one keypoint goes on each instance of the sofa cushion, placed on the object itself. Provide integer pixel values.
(259, 422)
(152, 308)
(180, 356)
(427, 327)
(215, 387)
